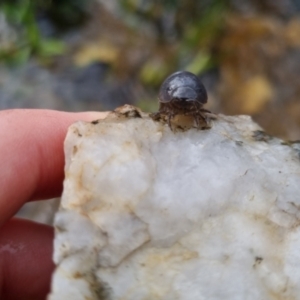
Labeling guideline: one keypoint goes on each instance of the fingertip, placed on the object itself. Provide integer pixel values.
(31, 155)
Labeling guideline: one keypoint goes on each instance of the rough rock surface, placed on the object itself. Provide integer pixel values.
(148, 213)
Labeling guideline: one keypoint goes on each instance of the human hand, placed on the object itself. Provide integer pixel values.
(31, 168)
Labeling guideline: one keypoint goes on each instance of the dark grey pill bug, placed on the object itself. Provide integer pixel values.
(183, 93)
(182, 86)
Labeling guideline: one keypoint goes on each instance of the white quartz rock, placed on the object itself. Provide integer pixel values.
(148, 213)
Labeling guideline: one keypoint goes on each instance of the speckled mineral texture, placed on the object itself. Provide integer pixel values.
(149, 213)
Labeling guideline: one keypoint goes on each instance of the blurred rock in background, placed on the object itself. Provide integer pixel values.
(95, 55)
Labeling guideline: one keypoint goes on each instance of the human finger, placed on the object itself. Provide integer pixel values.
(31, 155)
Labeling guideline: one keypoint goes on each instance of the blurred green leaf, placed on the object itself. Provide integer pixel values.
(21, 15)
(21, 56)
(201, 62)
(51, 47)
(153, 72)
(16, 11)
(204, 30)
(17, 57)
